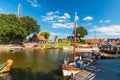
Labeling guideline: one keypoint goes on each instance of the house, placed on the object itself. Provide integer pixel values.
(99, 40)
(63, 40)
(68, 39)
(112, 40)
(38, 38)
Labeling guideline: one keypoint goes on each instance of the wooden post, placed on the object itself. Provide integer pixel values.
(72, 76)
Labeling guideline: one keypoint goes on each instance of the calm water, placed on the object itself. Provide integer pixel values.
(35, 64)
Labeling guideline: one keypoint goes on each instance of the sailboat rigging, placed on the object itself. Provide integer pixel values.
(69, 68)
(74, 67)
(75, 22)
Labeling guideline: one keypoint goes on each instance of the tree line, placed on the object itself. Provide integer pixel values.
(16, 29)
(13, 28)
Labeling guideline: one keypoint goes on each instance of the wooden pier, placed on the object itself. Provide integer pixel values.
(110, 49)
(107, 69)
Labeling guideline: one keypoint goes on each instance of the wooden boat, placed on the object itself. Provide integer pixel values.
(5, 67)
(76, 66)
(78, 63)
(81, 49)
(67, 68)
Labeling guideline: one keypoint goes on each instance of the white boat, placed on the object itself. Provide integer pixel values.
(67, 68)
(81, 49)
(78, 63)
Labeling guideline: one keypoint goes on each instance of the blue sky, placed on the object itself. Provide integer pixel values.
(57, 16)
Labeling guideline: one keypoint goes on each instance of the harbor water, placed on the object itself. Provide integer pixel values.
(35, 64)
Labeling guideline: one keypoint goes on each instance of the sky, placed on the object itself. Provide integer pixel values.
(100, 17)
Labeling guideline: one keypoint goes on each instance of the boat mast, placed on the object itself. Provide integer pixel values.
(75, 22)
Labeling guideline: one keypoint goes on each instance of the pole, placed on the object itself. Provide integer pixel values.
(95, 36)
(19, 10)
(74, 54)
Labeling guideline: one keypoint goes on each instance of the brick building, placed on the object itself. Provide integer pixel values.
(100, 40)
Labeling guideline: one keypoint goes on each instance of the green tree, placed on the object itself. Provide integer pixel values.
(30, 24)
(45, 34)
(17, 29)
(119, 40)
(81, 32)
(55, 38)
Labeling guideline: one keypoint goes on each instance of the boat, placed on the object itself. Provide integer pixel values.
(67, 70)
(70, 68)
(79, 62)
(5, 67)
(82, 48)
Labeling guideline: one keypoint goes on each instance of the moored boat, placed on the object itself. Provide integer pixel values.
(67, 70)
(5, 67)
(70, 68)
(79, 62)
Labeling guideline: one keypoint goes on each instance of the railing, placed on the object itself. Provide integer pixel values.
(110, 49)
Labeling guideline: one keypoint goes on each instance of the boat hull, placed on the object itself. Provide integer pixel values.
(67, 71)
(70, 48)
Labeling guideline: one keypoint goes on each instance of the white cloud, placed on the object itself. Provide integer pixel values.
(48, 18)
(88, 24)
(66, 15)
(76, 18)
(66, 34)
(107, 21)
(104, 21)
(59, 34)
(52, 13)
(101, 21)
(57, 20)
(108, 30)
(1, 10)
(62, 25)
(54, 34)
(89, 18)
(60, 20)
(33, 3)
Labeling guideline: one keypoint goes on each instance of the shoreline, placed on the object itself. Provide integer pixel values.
(31, 46)
(25, 46)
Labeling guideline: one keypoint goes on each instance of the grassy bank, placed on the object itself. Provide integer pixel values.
(64, 44)
(60, 45)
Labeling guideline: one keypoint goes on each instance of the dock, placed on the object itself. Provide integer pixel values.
(106, 69)
(110, 49)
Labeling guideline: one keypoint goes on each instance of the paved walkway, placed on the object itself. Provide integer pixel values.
(101, 70)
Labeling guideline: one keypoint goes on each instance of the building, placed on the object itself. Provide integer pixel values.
(38, 38)
(100, 40)
(112, 40)
(63, 40)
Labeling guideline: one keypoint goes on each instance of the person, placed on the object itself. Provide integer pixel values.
(65, 62)
(81, 64)
(84, 65)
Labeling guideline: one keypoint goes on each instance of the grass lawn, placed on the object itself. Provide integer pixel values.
(64, 44)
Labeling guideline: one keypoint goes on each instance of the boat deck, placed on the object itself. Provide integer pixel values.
(108, 69)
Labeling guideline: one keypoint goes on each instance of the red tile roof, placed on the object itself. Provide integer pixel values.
(40, 37)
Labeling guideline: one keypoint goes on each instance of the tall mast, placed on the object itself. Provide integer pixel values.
(95, 36)
(75, 22)
(19, 10)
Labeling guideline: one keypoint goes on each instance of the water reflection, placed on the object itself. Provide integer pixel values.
(35, 64)
(27, 74)
(5, 76)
